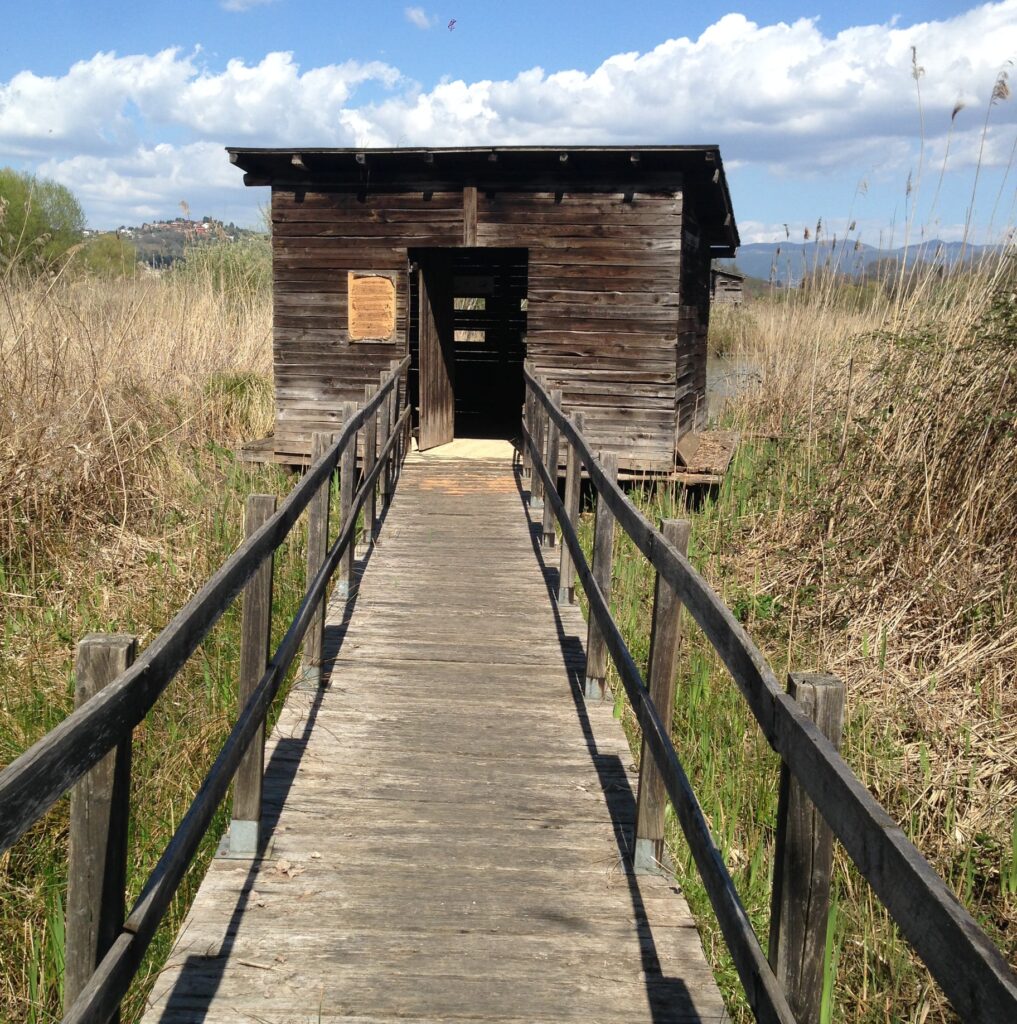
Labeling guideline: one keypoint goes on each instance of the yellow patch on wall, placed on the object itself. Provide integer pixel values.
(372, 307)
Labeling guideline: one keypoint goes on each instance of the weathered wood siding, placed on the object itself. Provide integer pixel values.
(602, 317)
(725, 289)
(317, 238)
(609, 321)
(693, 326)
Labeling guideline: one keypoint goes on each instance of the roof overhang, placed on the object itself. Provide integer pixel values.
(696, 170)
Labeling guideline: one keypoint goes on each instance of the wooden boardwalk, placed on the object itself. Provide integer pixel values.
(449, 824)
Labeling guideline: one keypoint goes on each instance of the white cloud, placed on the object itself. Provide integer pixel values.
(243, 5)
(419, 17)
(273, 100)
(782, 95)
(784, 98)
(107, 103)
(149, 181)
(87, 110)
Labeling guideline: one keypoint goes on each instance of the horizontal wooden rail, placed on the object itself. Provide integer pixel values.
(108, 985)
(764, 995)
(970, 969)
(32, 783)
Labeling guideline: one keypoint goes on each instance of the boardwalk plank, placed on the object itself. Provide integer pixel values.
(450, 823)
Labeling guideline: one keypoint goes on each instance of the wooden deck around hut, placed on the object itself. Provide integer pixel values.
(450, 824)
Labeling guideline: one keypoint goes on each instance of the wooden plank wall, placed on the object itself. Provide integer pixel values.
(609, 320)
(603, 308)
(693, 326)
(316, 239)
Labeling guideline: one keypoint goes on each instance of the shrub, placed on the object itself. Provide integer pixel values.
(40, 220)
(108, 255)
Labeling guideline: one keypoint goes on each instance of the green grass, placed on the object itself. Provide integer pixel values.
(173, 747)
(870, 973)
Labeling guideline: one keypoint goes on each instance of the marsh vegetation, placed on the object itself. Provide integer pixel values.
(867, 527)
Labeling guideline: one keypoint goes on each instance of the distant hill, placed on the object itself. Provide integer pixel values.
(787, 263)
(161, 243)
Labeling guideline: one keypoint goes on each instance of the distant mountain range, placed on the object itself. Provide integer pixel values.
(787, 263)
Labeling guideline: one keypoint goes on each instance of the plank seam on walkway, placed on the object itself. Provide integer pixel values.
(450, 823)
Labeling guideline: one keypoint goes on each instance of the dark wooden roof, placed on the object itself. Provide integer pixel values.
(734, 275)
(698, 169)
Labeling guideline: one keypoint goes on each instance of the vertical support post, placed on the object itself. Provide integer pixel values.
(255, 641)
(528, 420)
(317, 546)
(665, 636)
(347, 472)
(603, 550)
(538, 431)
(573, 485)
(370, 457)
(803, 863)
(397, 408)
(469, 215)
(406, 442)
(552, 470)
(100, 811)
(384, 426)
(393, 404)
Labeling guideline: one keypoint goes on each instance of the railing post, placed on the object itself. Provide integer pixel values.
(803, 862)
(317, 546)
(370, 457)
(528, 420)
(573, 489)
(552, 470)
(603, 550)
(347, 474)
(393, 406)
(255, 642)
(99, 815)
(538, 431)
(397, 408)
(665, 635)
(384, 426)
(408, 437)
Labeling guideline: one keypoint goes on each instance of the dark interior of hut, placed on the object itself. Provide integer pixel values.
(467, 329)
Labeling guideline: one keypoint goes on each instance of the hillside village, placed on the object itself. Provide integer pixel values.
(161, 243)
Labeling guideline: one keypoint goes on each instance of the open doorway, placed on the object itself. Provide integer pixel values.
(467, 342)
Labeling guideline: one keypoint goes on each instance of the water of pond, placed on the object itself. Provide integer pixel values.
(726, 378)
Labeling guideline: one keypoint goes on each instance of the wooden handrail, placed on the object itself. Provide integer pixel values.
(33, 782)
(967, 965)
(764, 995)
(108, 985)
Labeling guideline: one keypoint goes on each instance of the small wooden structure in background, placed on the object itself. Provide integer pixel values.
(592, 263)
(726, 286)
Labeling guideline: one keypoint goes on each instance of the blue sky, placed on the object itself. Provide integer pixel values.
(815, 106)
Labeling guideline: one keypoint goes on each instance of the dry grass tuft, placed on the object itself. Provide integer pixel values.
(119, 400)
(100, 381)
(887, 542)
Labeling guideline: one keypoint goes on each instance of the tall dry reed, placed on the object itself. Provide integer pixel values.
(120, 402)
(882, 547)
(100, 379)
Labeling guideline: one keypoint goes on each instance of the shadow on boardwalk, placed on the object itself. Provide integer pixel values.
(664, 994)
(472, 850)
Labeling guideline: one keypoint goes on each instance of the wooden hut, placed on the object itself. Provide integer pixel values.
(593, 263)
(726, 286)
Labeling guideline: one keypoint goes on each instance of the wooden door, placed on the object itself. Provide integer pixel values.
(437, 359)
